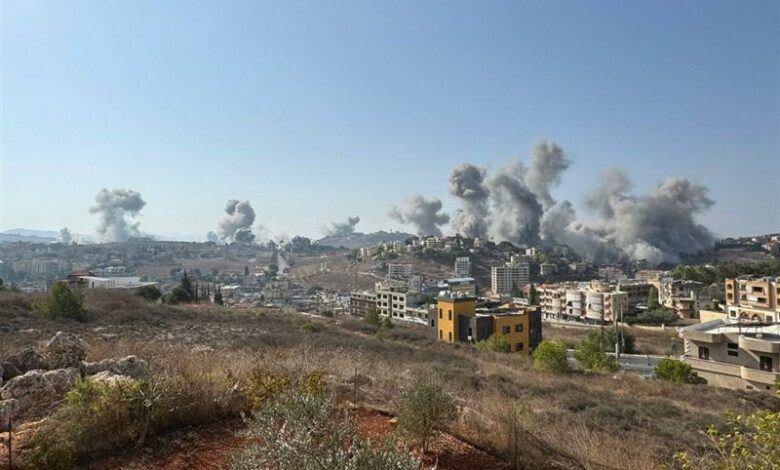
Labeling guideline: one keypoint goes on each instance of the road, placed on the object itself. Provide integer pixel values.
(642, 364)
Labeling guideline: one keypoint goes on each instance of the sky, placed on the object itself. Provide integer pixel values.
(315, 111)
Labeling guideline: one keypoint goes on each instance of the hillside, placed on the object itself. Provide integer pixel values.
(573, 420)
(361, 240)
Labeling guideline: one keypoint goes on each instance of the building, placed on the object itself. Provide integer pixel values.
(462, 267)
(611, 273)
(460, 285)
(753, 298)
(637, 293)
(683, 296)
(734, 354)
(457, 319)
(510, 277)
(415, 283)
(393, 299)
(359, 302)
(594, 303)
(548, 269)
(399, 270)
(89, 281)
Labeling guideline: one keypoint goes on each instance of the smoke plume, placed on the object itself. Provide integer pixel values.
(467, 184)
(212, 236)
(517, 205)
(343, 229)
(422, 213)
(65, 236)
(236, 226)
(113, 208)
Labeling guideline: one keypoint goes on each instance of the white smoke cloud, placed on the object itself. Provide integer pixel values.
(342, 229)
(422, 213)
(113, 208)
(237, 224)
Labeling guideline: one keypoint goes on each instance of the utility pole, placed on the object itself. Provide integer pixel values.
(617, 340)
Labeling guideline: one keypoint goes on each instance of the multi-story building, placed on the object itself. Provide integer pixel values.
(506, 279)
(753, 298)
(399, 270)
(685, 297)
(552, 299)
(360, 302)
(393, 299)
(611, 273)
(637, 293)
(460, 285)
(548, 269)
(457, 319)
(462, 267)
(734, 354)
(593, 303)
(415, 283)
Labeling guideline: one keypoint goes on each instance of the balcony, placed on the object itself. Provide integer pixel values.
(760, 376)
(714, 367)
(703, 336)
(759, 345)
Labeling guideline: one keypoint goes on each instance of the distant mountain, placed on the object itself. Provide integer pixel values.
(361, 240)
(33, 233)
(12, 237)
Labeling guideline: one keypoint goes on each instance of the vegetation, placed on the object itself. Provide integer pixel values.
(297, 430)
(590, 355)
(372, 316)
(150, 293)
(625, 336)
(62, 301)
(423, 409)
(551, 356)
(495, 344)
(727, 269)
(672, 370)
(652, 299)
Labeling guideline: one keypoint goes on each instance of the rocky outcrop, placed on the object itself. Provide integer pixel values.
(130, 366)
(8, 410)
(23, 361)
(65, 350)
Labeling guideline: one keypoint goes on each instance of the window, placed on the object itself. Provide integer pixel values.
(505, 330)
(441, 314)
(441, 334)
(770, 319)
(450, 335)
(733, 349)
(704, 353)
(470, 331)
(519, 328)
(449, 315)
(765, 363)
(519, 347)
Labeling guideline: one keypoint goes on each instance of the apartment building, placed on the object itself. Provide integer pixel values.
(399, 270)
(685, 297)
(733, 354)
(415, 283)
(611, 273)
(637, 292)
(460, 285)
(753, 298)
(593, 303)
(462, 267)
(505, 279)
(359, 302)
(457, 319)
(393, 299)
(548, 269)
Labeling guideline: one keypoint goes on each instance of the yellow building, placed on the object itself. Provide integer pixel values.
(449, 310)
(753, 298)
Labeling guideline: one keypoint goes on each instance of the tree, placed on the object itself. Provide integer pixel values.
(423, 409)
(590, 355)
(246, 270)
(186, 285)
(659, 316)
(178, 296)
(607, 341)
(652, 298)
(386, 323)
(672, 370)
(516, 291)
(533, 295)
(62, 301)
(150, 292)
(218, 296)
(372, 316)
(551, 356)
(495, 344)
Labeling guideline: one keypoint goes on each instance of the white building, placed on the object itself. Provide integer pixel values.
(393, 299)
(399, 270)
(415, 283)
(462, 266)
(504, 280)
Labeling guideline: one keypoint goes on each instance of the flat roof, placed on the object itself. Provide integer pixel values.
(769, 331)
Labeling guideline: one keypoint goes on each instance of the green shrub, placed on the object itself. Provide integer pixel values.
(659, 316)
(608, 340)
(423, 409)
(62, 301)
(386, 323)
(672, 370)
(309, 327)
(178, 296)
(495, 344)
(551, 356)
(151, 293)
(301, 431)
(590, 356)
(372, 316)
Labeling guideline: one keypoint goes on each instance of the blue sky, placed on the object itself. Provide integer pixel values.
(314, 111)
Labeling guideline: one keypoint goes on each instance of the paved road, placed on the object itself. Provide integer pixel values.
(641, 364)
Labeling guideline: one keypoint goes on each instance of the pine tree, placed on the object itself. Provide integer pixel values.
(218, 296)
(186, 285)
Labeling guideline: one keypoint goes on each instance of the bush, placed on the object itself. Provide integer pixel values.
(660, 316)
(551, 356)
(178, 296)
(309, 327)
(423, 409)
(386, 323)
(62, 301)
(495, 344)
(151, 293)
(672, 370)
(301, 431)
(590, 356)
(608, 341)
(372, 316)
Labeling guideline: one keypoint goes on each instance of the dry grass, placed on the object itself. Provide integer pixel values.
(568, 421)
(648, 340)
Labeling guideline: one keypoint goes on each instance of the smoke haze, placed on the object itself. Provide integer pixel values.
(343, 229)
(422, 213)
(113, 207)
(237, 224)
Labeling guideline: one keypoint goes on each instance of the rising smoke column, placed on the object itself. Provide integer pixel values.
(547, 165)
(516, 212)
(65, 236)
(112, 207)
(343, 229)
(422, 213)
(467, 184)
(237, 224)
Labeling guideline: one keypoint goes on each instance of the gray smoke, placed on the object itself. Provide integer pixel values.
(547, 165)
(467, 184)
(112, 208)
(237, 225)
(422, 213)
(65, 236)
(516, 212)
(343, 229)
(212, 236)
